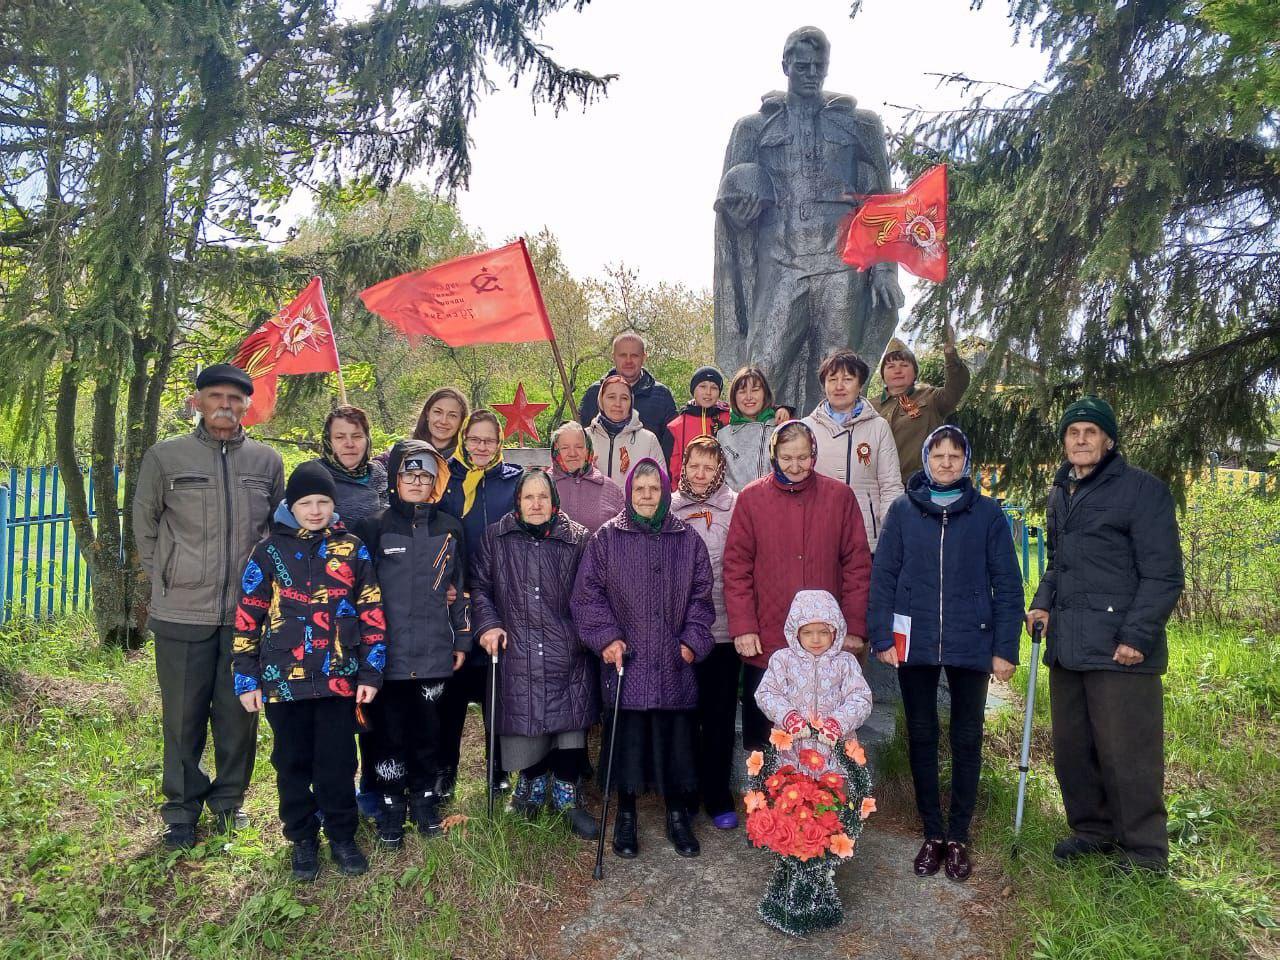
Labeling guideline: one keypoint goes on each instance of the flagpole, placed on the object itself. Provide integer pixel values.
(551, 334)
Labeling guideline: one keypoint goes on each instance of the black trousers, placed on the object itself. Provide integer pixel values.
(717, 711)
(755, 725)
(968, 704)
(1108, 754)
(409, 719)
(197, 695)
(468, 685)
(314, 754)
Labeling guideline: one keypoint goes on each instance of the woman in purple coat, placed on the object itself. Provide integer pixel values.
(643, 595)
(586, 494)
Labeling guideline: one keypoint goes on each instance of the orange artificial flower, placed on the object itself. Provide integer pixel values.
(842, 845)
(780, 739)
(853, 750)
(754, 800)
(868, 807)
(755, 761)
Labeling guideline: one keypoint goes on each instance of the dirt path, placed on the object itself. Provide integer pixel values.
(663, 906)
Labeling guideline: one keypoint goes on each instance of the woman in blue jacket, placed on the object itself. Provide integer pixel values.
(946, 593)
(481, 491)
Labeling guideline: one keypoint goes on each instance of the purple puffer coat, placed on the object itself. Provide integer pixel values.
(652, 591)
(590, 500)
(546, 680)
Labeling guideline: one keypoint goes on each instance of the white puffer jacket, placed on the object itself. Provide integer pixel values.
(863, 455)
(615, 456)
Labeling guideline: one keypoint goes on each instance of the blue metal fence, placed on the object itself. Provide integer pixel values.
(42, 573)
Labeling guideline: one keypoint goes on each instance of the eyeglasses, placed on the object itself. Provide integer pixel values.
(480, 442)
(421, 478)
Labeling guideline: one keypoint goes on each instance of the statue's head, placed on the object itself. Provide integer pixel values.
(805, 57)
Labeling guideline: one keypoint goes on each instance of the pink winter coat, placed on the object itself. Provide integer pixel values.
(589, 500)
(817, 687)
(710, 520)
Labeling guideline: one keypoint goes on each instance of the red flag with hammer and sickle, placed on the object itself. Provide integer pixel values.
(909, 228)
(298, 339)
(490, 297)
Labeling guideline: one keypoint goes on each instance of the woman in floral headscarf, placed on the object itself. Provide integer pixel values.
(704, 501)
(361, 483)
(586, 494)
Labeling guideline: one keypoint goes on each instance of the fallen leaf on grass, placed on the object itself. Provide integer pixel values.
(454, 820)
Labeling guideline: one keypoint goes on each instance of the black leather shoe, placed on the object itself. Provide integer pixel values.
(680, 833)
(626, 841)
(180, 836)
(424, 810)
(230, 821)
(306, 860)
(349, 857)
(958, 865)
(1073, 848)
(929, 860)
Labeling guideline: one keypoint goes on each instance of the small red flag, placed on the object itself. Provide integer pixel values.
(490, 297)
(909, 228)
(519, 414)
(298, 339)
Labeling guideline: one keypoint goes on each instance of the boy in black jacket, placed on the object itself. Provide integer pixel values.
(323, 644)
(419, 554)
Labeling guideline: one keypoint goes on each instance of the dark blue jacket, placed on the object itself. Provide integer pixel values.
(495, 498)
(953, 571)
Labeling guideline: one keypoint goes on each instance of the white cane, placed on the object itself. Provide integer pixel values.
(1024, 765)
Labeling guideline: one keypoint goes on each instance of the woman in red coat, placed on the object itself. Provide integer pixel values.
(792, 530)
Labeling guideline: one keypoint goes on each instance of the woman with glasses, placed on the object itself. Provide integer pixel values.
(481, 491)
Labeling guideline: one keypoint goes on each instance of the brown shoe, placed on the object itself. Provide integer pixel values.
(929, 860)
(958, 865)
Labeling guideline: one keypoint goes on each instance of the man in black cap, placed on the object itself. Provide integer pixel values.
(203, 501)
(1113, 579)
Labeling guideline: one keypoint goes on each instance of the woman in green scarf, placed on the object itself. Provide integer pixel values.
(752, 419)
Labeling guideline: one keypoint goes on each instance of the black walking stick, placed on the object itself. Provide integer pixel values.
(598, 873)
(1024, 765)
(493, 723)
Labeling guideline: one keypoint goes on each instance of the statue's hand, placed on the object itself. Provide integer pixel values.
(744, 210)
(885, 291)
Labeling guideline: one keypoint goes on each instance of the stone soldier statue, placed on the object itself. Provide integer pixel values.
(793, 173)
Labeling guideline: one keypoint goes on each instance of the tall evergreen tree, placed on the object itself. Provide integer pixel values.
(142, 142)
(1114, 231)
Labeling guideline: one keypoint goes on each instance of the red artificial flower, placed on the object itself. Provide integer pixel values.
(812, 760)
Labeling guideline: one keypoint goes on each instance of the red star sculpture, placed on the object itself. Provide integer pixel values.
(519, 415)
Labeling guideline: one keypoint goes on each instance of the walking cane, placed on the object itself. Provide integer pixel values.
(1024, 765)
(493, 723)
(598, 873)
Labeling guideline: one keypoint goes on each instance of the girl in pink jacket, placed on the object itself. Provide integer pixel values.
(814, 689)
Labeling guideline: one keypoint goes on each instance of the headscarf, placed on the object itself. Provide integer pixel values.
(650, 524)
(840, 419)
(583, 470)
(615, 427)
(361, 472)
(702, 445)
(471, 481)
(539, 531)
(954, 432)
(786, 482)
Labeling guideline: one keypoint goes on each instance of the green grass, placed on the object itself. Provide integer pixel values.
(1222, 898)
(82, 873)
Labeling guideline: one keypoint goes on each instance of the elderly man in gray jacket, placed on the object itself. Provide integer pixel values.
(203, 501)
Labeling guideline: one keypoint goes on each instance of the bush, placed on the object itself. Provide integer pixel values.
(1231, 549)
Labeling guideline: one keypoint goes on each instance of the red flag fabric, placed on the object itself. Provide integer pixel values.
(909, 228)
(298, 339)
(490, 297)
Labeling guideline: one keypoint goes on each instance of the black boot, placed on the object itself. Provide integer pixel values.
(680, 833)
(567, 801)
(349, 857)
(424, 808)
(446, 779)
(180, 836)
(626, 840)
(306, 860)
(390, 821)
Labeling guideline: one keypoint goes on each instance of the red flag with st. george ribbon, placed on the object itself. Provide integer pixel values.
(490, 297)
(298, 339)
(909, 228)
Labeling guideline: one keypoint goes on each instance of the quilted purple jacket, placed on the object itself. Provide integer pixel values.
(652, 591)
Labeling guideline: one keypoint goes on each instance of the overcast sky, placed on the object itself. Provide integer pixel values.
(632, 178)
